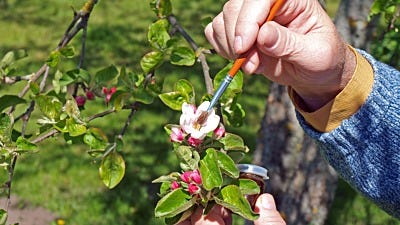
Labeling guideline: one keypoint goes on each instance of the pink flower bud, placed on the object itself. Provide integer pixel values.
(220, 131)
(193, 188)
(195, 176)
(176, 135)
(90, 95)
(194, 142)
(105, 90)
(185, 176)
(80, 100)
(113, 90)
(108, 93)
(175, 185)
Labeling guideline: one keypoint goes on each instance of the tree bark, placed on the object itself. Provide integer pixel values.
(300, 180)
(352, 22)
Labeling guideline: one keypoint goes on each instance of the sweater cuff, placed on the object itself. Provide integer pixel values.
(345, 104)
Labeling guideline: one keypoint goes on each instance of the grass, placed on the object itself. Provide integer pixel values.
(64, 178)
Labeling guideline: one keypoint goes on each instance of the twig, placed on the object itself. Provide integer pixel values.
(102, 114)
(134, 108)
(15, 79)
(206, 70)
(45, 136)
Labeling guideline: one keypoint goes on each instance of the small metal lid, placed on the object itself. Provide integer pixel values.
(253, 169)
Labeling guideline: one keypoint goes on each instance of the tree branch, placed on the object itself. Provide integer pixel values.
(206, 70)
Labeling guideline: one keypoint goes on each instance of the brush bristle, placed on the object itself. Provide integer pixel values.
(202, 118)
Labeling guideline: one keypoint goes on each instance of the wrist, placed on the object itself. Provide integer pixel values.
(315, 96)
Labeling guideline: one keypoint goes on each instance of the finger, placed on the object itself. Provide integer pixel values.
(215, 34)
(252, 15)
(266, 207)
(214, 217)
(230, 13)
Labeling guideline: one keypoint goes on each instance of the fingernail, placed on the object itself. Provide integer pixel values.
(238, 44)
(265, 203)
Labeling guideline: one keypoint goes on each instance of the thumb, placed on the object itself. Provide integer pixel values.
(278, 41)
(266, 207)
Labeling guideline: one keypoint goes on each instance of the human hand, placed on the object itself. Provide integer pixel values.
(217, 216)
(265, 206)
(301, 48)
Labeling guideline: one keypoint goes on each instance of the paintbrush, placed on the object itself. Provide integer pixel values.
(233, 71)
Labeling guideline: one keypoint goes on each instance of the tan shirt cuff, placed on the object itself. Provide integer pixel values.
(345, 104)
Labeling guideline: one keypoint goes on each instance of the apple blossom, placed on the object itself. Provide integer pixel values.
(190, 124)
(175, 185)
(176, 135)
(195, 176)
(219, 132)
(185, 176)
(109, 93)
(194, 142)
(193, 188)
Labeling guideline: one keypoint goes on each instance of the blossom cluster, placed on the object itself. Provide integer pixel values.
(190, 180)
(194, 129)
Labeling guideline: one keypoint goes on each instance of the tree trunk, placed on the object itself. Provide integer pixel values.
(352, 22)
(302, 183)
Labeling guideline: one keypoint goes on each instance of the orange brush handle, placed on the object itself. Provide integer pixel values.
(239, 61)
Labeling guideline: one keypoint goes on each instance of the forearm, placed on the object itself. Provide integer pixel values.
(364, 148)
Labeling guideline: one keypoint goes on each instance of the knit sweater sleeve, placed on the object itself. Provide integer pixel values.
(365, 148)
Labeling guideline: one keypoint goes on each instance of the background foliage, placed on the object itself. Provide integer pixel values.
(64, 178)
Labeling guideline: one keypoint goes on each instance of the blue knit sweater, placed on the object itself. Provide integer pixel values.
(365, 148)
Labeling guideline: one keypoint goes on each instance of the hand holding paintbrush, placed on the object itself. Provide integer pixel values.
(235, 68)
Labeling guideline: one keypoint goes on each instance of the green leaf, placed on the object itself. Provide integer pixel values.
(232, 198)
(112, 169)
(174, 100)
(189, 158)
(106, 76)
(143, 96)
(25, 145)
(151, 61)
(158, 35)
(72, 109)
(185, 87)
(167, 178)
(54, 59)
(67, 51)
(10, 100)
(235, 114)
(6, 126)
(210, 171)
(182, 56)
(10, 57)
(248, 187)
(3, 217)
(75, 75)
(119, 99)
(234, 87)
(227, 165)
(34, 87)
(50, 106)
(233, 142)
(162, 8)
(74, 128)
(95, 138)
(173, 203)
